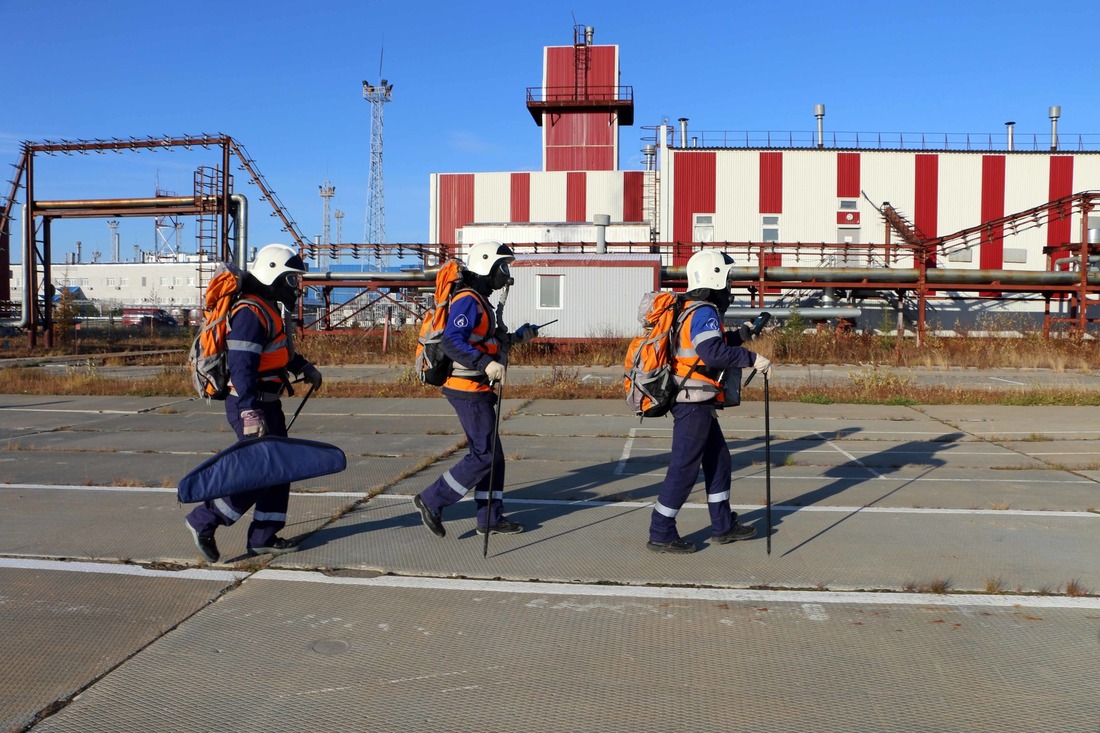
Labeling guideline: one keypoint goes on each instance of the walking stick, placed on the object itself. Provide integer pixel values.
(492, 472)
(768, 461)
(300, 406)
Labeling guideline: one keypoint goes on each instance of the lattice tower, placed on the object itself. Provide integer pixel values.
(375, 230)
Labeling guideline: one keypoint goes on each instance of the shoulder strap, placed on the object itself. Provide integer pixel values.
(681, 318)
(251, 301)
(486, 306)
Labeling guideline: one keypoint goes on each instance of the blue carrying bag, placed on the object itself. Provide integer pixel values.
(258, 462)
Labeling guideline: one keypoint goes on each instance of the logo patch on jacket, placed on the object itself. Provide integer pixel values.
(711, 325)
(461, 321)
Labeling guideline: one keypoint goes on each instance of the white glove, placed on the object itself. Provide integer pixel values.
(254, 425)
(762, 365)
(495, 371)
(312, 375)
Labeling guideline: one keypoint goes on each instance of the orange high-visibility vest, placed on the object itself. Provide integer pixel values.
(483, 339)
(276, 352)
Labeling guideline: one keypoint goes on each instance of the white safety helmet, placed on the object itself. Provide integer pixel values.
(709, 268)
(483, 255)
(275, 260)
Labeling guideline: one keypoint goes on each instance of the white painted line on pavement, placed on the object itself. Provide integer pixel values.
(901, 477)
(851, 458)
(691, 594)
(632, 504)
(1002, 379)
(164, 490)
(742, 508)
(78, 412)
(621, 465)
(118, 569)
(63, 487)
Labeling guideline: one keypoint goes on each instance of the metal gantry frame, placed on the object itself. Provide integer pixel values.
(1070, 292)
(212, 199)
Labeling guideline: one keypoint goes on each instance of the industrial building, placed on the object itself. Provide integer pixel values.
(928, 231)
(974, 214)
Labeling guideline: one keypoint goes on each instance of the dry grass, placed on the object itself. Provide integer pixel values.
(1074, 589)
(872, 382)
(868, 387)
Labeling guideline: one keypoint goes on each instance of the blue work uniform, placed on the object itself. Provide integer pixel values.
(471, 339)
(259, 357)
(702, 356)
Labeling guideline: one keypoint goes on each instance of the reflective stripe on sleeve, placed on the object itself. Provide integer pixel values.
(715, 498)
(705, 336)
(269, 517)
(244, 346)
(483, 495)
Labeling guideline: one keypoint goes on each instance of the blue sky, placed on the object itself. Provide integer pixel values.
(285, 79)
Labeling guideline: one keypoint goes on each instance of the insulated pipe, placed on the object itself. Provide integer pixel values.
(238, 209)
(934, 276)
(819, 113)
(28, 266)
(406, 276)
(1010, 127)
(158, 201)
(683, 132)
(745, 314)
(1075, 258)
(794, 275)
(1055, 112)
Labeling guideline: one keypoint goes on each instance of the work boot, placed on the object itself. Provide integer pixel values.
(431, 520)
(274, 546)
(503, 526)
(206, 545)
(676, 547)
(736, 532)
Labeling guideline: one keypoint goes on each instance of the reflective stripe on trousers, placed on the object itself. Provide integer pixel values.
(697, 440)
(478, 420)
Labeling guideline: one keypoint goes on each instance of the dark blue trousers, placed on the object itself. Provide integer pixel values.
(696, 440)
(270, 502)
(479, 422)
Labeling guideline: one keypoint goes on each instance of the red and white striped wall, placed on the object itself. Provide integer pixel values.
(817, 196)
(458, 199)
(580, 140)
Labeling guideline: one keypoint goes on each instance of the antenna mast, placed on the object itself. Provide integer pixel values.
(375, 230)
(327, 191)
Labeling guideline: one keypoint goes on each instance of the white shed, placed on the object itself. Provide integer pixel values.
(590, 295)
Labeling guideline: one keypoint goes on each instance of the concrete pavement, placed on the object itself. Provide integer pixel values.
(111, 622)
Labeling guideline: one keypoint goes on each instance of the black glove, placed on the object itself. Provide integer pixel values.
(526, 332)
(312, 375)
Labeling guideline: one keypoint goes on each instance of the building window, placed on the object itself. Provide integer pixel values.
(191, 282)
(177, 281)
(124, 281)
(770, 228)
(848, 204)
(165, 281)
(703, 230)
(110, 282)
(550, 290)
